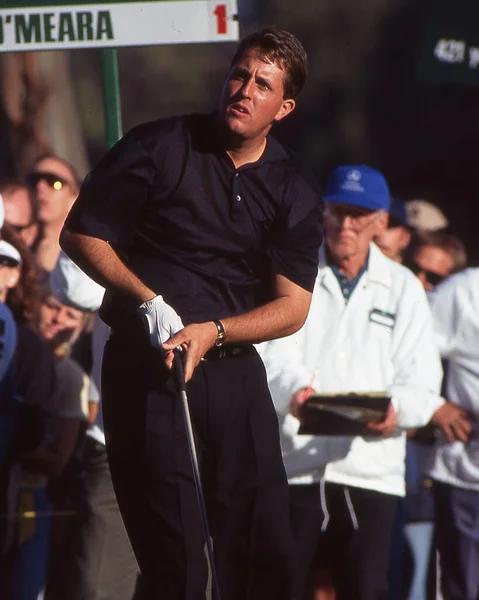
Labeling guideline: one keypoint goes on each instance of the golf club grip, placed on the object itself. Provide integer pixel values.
(179, 371)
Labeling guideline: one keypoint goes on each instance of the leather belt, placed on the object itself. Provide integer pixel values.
(228, 351)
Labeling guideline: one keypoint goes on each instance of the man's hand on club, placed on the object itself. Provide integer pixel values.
(195, 341)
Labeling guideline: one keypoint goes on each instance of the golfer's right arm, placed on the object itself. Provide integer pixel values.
(98, 260)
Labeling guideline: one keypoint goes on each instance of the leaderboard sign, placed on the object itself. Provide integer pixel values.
(63, 25)
(450, 48)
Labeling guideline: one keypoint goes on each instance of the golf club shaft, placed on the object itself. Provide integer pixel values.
(196, 470)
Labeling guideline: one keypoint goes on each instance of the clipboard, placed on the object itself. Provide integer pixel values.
(343, 414)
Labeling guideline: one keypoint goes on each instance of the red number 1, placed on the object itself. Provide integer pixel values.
(220, 14)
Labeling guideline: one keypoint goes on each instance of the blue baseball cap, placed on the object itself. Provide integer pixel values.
(397, 213)
(358, 186)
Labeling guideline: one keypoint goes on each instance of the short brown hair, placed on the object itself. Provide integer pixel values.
(282, 48)
(447, 242)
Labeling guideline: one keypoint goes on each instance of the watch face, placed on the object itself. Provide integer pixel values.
(220, 340)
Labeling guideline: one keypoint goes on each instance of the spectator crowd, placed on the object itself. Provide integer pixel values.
(61, 531)
(381, 506)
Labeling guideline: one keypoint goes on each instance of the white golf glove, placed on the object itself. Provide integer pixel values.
(163, 322)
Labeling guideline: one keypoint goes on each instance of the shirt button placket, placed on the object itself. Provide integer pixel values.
(236, 194)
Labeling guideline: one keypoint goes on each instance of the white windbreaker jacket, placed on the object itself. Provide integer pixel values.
(456, 320)
(380, 340)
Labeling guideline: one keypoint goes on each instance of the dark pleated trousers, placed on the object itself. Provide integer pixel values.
(243, 477)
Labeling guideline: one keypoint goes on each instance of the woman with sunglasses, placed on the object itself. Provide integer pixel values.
(434, 255)
(56, 186)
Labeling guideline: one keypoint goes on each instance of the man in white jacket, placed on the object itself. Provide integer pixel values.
(369, 329)
(455, 470)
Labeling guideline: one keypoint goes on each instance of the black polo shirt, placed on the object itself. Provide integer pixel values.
(205, 235)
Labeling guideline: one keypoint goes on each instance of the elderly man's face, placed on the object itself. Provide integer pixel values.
(350, 229)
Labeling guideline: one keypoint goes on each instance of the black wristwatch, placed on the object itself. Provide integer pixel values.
(220, 340)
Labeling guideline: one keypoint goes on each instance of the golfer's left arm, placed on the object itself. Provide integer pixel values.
(293, 252)
(284, 315)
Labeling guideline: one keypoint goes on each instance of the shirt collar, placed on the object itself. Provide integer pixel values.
(348, 285)
(377, 267)
(273, 152)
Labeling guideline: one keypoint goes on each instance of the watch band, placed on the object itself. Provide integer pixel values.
(220, 340)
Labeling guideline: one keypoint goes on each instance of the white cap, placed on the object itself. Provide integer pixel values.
(425, 216)
(9, 255)
(71, 286)
(2, 212)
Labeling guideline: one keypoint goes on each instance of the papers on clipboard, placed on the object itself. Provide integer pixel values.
(343, 414)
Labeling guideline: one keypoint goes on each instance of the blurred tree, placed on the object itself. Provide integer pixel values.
(362, 103)
(155, 81)
(8, 166)
(40, 108)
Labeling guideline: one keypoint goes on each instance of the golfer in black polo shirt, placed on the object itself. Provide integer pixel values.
(205, 232)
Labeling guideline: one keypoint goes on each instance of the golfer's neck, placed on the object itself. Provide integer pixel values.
(244, 151)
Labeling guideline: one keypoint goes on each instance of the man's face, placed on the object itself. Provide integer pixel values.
(54, 199)
(431, 264)
(57, 321)
(252, 97)
(393, 241)
(18, 214)
(350, 229)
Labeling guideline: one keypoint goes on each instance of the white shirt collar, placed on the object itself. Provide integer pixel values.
(379, 267)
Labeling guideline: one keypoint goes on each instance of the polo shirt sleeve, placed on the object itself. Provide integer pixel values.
(113, 193)
(295, 249)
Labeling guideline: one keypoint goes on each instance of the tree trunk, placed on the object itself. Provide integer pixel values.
(39, 101)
